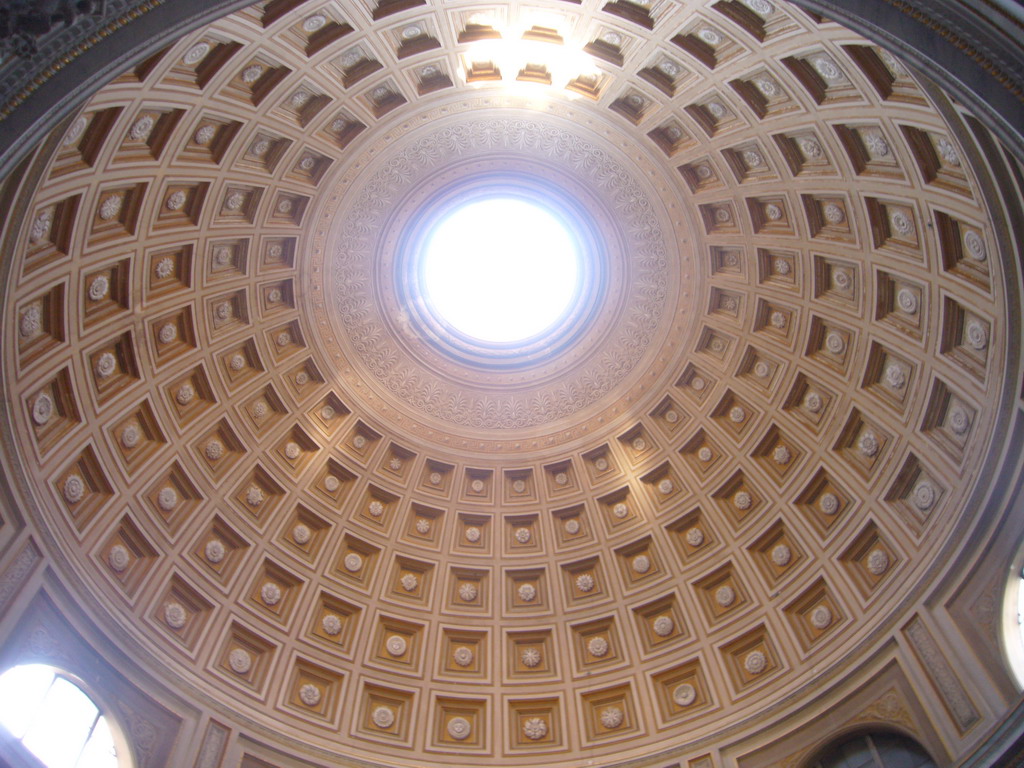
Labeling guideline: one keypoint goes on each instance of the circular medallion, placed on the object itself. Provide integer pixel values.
(684, 695)
(459, 728)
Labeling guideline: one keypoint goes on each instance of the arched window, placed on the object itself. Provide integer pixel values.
(875, 750)
(1013, 619)
(55, 720)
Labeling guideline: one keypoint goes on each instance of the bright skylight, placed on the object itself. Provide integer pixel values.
(500, 270)
(54, 719)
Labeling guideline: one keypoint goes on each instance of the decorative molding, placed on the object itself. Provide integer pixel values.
(942, 676)
(214, 744)
(423, 156)
(16, 573)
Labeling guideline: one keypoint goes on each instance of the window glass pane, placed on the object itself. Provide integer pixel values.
(893, 751)
(55, 719)
(99, 750)
(22, 690)
(57, 736)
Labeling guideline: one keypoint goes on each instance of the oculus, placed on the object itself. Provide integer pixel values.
(500, 270)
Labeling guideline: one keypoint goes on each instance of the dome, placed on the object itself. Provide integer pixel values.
(753, 475)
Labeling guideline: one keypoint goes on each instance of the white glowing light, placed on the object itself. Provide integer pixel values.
(54, 719)
(500, 270)
(510, 53)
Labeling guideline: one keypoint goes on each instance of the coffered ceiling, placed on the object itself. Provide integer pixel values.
(721, 493)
